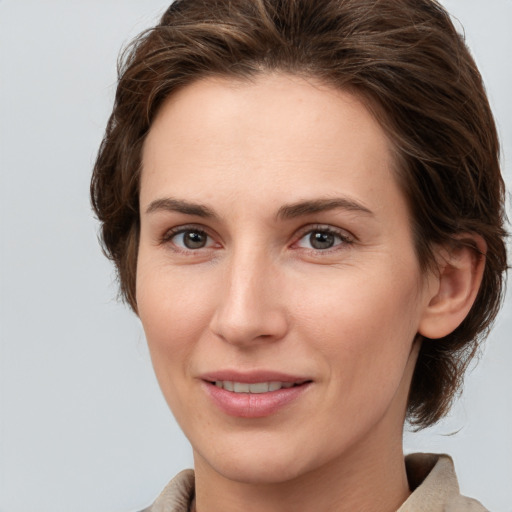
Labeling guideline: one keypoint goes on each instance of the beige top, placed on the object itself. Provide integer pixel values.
(431, 478)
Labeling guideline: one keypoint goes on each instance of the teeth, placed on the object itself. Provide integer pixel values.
(274, 386)
(241, 387)
(259, 387)
(256, 387)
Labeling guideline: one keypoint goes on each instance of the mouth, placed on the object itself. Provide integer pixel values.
(255, 387)
(254, 395)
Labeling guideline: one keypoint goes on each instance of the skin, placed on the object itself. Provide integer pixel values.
(258, 294)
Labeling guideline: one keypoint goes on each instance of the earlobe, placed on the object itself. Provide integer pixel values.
(455, 287)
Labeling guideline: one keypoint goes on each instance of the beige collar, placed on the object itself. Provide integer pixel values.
(434, 486)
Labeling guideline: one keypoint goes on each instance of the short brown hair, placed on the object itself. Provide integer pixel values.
(405, 58)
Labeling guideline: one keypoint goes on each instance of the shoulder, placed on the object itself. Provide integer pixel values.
(177, 495)
(434, 486)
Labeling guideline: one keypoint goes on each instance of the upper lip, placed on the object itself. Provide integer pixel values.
(251, 377)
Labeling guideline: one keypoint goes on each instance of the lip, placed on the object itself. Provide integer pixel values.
(252, 376)
(249, 405)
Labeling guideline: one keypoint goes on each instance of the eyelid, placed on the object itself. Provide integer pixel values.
(343, 233)
(345, 236)
(169, 234)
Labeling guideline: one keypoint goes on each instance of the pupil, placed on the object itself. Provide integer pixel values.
(194, 240)
(321, 240)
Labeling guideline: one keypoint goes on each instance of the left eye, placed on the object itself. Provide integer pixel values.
(321, 239)
(190, 239)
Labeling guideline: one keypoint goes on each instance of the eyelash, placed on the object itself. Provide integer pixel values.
(190, 228)
(343, 238)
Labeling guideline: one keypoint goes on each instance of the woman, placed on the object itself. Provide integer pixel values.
(304, 203)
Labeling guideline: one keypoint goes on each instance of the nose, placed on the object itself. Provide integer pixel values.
(250, 307)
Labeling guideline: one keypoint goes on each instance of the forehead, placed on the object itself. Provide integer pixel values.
(275, 103)
(294, 132)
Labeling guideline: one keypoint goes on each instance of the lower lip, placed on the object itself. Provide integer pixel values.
(253, 405)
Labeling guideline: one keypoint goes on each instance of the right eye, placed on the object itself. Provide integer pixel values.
(190, 239)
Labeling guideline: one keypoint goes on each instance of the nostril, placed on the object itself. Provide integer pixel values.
(241, 329)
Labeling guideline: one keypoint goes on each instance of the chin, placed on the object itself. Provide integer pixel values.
(254, 465)
(260, 472)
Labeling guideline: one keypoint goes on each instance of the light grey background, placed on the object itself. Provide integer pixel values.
(83, 426)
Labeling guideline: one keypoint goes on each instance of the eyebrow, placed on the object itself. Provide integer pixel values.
(286, 212)
(301, 208)
(180, 206)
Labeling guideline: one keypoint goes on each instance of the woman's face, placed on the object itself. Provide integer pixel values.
(277, 280)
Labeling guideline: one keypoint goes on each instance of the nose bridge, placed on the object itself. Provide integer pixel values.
(248, 306)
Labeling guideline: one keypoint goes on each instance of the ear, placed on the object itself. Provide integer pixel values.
(453, 290)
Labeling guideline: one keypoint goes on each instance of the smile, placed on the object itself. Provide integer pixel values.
(256, 387)
(255, 399)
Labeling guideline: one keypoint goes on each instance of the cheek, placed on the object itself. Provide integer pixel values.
(364, 325)
(171, 301)
(174, 313)
(356, 301)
